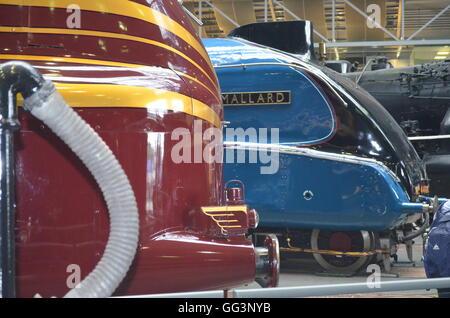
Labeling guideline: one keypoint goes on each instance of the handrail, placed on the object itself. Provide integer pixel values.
(315, 291)
(364, 70)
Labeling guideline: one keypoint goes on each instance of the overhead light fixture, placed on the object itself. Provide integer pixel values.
(443, 53)
(440, 57)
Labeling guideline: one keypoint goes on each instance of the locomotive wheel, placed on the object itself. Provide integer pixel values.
(343, 241)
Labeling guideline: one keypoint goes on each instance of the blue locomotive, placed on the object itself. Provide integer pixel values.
(325, 165)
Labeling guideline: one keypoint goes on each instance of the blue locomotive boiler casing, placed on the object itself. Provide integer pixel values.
(343, 162)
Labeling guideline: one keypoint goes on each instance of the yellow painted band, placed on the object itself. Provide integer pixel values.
(228, 208)
(106, 35)
(228, 221)
(123, 8)
(152, 99)
(90, 62)
(201, 110)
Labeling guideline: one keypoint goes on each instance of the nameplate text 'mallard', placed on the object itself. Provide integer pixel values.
(256, 98)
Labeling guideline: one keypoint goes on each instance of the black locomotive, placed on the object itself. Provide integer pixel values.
(418, 97)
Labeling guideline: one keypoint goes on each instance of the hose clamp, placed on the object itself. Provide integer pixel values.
(40, 97)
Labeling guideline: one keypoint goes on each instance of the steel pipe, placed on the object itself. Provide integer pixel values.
(316, 291)
(15, 78)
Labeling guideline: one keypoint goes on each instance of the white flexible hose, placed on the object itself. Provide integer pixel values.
(48, 106)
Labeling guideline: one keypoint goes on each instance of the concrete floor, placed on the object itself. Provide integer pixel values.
(306, 272)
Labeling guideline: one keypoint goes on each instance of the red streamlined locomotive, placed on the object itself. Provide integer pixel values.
(135, 72)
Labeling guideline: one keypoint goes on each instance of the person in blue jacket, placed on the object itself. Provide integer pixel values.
(437, 251)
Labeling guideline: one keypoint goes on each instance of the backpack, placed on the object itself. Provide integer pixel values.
(437, 249)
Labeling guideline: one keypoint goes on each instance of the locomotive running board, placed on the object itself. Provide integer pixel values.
(294, 249)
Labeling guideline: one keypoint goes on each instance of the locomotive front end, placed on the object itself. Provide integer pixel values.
(344, 177)
(138, 76)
